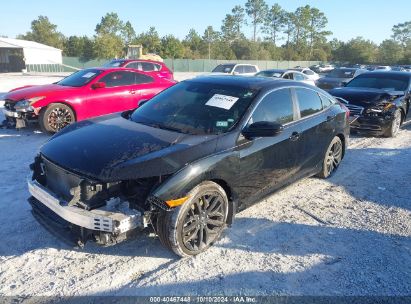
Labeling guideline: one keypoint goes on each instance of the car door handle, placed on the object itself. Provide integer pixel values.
(133, 92)
(294, 136)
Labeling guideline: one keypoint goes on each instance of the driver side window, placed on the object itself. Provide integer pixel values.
(277, 107)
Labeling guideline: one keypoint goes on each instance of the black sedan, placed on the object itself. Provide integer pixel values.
(187, 160)
(338, 78)
(378, 101)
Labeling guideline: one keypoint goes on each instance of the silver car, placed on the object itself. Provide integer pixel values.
(286, 74)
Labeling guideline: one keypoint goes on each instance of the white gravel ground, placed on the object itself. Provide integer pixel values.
(348, 235)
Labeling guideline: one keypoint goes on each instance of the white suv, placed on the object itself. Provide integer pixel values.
(235, 69)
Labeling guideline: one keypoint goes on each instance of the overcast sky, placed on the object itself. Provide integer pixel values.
(372, 19)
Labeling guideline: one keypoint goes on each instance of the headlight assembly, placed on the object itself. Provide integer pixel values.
(380, 108)
(26, 104)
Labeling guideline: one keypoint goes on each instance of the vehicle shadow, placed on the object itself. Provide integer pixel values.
(277, 258)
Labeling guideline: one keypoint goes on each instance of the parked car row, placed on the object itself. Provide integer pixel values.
(183, 158)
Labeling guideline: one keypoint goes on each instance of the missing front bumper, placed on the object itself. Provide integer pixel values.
(107, 225)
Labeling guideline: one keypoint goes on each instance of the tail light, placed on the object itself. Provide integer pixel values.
(347, 111)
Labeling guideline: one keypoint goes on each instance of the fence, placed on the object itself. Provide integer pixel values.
(205, 65)
(70, 64)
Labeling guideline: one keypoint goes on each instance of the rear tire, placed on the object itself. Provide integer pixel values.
(56, 117)
(395, 124)
(193, 227)
(332, 158)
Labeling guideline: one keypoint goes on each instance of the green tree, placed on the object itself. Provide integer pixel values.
(171, 47)
(43, 31)
(275, 22)
(128, 33)
(210, 38)
(301, 19)
(150, 41)
(402, 33)
(238, 19)
(193, 44)
(317, 33)
(110, 24)
(108, 46)
(390, 52)
(82, 47)
(357, 50)
(256, 10)
(109, 39)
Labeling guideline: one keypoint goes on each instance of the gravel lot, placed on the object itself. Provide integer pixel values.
(348, 235)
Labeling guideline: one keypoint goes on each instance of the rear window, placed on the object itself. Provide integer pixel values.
(341, 73)
(309, 102)
(113, 64)
(249, 69)
(269, 74)
(223, 68)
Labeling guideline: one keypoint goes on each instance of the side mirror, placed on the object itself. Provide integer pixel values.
(236, 73)
(262, 129)
(98, 85)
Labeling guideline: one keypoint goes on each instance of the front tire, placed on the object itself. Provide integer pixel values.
(56, 117)
(194, 226)
(332, 158)
(395, 124)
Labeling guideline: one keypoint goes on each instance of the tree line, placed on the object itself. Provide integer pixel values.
(277, 34)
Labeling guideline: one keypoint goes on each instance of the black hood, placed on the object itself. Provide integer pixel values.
(364, 96)
(114, 148)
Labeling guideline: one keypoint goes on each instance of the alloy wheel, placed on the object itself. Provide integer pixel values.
(203, 221)
(59, 118)
(334, 156)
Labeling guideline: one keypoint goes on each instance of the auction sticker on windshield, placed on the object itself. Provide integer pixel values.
(222, 101)
(88, 75)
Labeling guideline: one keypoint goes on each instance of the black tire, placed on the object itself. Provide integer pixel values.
(203, 216)
(55, 117)
(332, 158)
(395, 125)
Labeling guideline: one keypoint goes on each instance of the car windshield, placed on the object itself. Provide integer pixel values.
(196, 108)
(341, 73)
(113, 64)
(223, 68)
(276, 74)
(79, 78)
(388, 82)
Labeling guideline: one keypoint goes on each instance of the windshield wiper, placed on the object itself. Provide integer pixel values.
(161, 126)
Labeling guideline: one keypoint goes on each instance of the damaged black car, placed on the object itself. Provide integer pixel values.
(378, 101)
(185, 162)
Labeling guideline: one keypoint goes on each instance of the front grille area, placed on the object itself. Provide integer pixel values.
(60, 181)
(354, 110)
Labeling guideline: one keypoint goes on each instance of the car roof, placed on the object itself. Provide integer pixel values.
(114, 69)
(385, 73)
(139, 60)
(248, 82)
(274, 70)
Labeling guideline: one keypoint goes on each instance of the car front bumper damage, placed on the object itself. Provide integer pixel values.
(108, 225)
(371, 124)
(19, 119)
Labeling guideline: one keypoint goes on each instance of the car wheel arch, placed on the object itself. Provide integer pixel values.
(61, 102)
(170, 189)
(343, 140)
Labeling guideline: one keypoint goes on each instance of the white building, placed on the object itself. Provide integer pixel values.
(17, 54)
